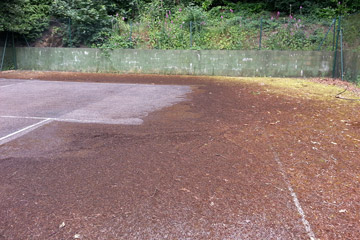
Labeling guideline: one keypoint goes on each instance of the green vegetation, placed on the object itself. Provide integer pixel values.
(25, 17)
(219, 28)
(178, 24)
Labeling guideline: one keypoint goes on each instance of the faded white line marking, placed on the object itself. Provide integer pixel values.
(23, 131)
(9, 85)
(305, 222)
(130, 121)
(38, 118)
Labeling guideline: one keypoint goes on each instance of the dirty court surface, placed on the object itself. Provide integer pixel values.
(103, 156)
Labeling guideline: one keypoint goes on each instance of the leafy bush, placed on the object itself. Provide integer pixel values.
(88, 20)
(326, 13)
(117, 41)
(351, 26)
(193, 14)
(250, 8)
(166, 24)
(286, 39)
(25, 17)
(218, 28)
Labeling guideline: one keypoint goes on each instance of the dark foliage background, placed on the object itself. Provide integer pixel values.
(92, 21)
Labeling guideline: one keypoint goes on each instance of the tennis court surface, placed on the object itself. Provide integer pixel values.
(102, 156)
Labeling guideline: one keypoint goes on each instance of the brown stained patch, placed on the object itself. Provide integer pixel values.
(181, 111)
(201, 169)
(355, 124)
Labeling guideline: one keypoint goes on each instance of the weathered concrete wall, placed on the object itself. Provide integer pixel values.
(188, 62)
(351, 66)
(204, 62)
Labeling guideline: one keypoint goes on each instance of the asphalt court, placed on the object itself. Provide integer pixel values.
(8, 126)
(29, 104)
(9, 82)
(220, 163)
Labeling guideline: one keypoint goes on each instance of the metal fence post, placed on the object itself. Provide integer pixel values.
(3, 54)
(130, 37)
(261, 23)
(336, 46)
(341, 54)
(14, 51)
(334, 34)
(162, 35)
(326, 35)
(26, 40)
(159, 41)
(70, 33)
(191, 37)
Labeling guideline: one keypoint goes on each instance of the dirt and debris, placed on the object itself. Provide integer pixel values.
(201, 169)
(349, 86)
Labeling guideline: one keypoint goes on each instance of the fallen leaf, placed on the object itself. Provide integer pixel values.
(62, 225)
(185, 190)
(77, 236)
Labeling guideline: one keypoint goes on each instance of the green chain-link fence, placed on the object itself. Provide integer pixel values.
(240, 33)
(8, 52)
(347, 65)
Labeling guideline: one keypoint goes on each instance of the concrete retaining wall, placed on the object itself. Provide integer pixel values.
(351, 66)
(188, 62)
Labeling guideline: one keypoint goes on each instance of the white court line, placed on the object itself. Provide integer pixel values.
(24, 130)
(38, 118)
(305, 222)
(13, 84)
(9, 85)
(133, 121)
(54, 119)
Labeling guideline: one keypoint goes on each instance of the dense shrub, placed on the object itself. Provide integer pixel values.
(25, 17)
(88, 20)
(174, 24)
